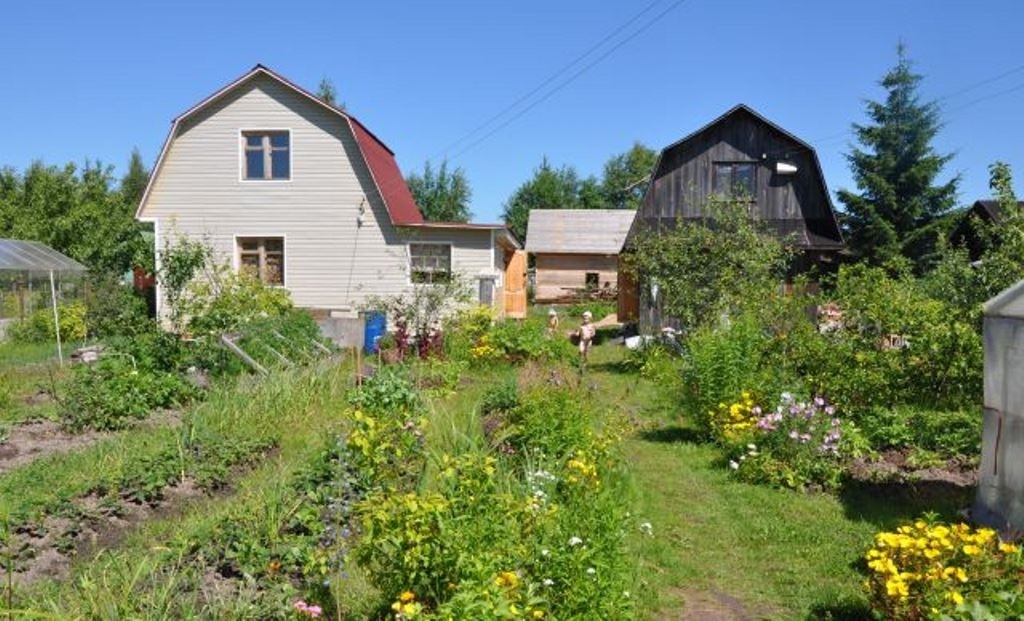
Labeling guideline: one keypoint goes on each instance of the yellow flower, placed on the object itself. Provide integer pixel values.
(972, 550)
(406, 596)
(1007, 548)
(955, 597)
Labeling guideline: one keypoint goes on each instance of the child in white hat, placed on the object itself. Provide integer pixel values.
(552, 322)
(586, 335)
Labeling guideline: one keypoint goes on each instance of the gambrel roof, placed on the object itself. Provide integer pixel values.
(400, 204)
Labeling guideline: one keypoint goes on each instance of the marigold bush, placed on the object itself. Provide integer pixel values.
(929, 570)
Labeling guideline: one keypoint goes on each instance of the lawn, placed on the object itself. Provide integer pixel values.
(729, 550)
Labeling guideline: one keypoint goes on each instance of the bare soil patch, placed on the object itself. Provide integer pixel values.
(895, 466)
(696, 605)
(34, 440)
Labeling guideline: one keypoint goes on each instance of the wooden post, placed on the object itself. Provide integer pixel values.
(56, 319)
(241, 354)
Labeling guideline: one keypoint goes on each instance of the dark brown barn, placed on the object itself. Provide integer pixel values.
(740, 154)
(965, 233)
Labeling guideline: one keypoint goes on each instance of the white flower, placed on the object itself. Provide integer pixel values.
(626, 594)
(646, 528)
(548, 582)
(575, 541)
(591, 571)
(752, 447)
(545, 552)
(733, 464)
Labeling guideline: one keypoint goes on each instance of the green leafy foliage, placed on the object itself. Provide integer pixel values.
(76, 211)
(709, 269)
(39, 327)
(113, 393)
(442, 196)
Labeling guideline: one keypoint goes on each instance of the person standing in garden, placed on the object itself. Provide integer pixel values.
(552, 322)
(586, 336)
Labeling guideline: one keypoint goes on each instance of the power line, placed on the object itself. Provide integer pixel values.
(554, 76)
(981, 83)
(986, 98)
(571, 78)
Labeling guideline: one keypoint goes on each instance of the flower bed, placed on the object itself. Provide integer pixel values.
(931, 570)
(797, 444)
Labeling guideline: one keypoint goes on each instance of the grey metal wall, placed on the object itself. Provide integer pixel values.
(1000, 501)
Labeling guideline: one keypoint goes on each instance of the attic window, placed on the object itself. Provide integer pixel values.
(267, 155)
(735, 179)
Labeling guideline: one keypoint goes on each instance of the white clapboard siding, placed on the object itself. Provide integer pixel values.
(331, 261)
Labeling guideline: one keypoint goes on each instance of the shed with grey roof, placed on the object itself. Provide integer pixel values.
(576, 252)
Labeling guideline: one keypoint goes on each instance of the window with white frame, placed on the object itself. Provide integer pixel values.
(267, 156)
(430, 263)
(262, 257)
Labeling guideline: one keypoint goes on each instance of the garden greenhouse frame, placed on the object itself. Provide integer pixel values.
(29, 271)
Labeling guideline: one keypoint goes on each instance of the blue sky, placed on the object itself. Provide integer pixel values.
(92, 80)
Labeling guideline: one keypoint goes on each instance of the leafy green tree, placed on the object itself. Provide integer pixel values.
(551, 188)
(442, 196)
(625, 176)
(75, 211)
(704, 269)
(895, 170)
(133, 184)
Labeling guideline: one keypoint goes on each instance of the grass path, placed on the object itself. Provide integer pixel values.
(729, 550)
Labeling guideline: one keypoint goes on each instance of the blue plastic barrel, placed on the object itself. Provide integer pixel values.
(375, 326)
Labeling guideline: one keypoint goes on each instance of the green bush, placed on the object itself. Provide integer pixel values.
(501, 398)
(38, 327)
(113, 393)
(389, 390)
(528, 339)
(722, 362)
(948, 433)
(598, 309)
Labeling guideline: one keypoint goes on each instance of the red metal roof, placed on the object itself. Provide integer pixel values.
(388, 177)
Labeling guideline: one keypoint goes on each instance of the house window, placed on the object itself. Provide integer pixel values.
(593, 280)
(262, 257)
(736, 179)
(267, 155)
(430, 263)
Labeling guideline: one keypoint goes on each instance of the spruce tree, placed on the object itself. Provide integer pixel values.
(895, 168)
(133, 184)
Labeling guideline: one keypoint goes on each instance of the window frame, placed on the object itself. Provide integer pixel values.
(242, 151)
(408, 255)
(263, 237)
(732, 175)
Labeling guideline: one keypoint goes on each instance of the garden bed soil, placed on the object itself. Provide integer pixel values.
(102, 525)
(893, 466)
(28, 442)
(698, 605)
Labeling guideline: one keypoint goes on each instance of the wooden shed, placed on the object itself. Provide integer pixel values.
(576, 251)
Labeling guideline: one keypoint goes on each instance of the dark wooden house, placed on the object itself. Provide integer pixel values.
(741, 155)
(966, 232)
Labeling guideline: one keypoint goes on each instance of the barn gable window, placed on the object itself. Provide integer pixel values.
(430, 263)
(267, 156)
(263, 258)
(735, 179)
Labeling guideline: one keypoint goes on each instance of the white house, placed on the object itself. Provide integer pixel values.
(300, 192)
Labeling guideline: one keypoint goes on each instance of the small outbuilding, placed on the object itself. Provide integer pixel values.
(1000, 501)
(576, 252)
(35, 277)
